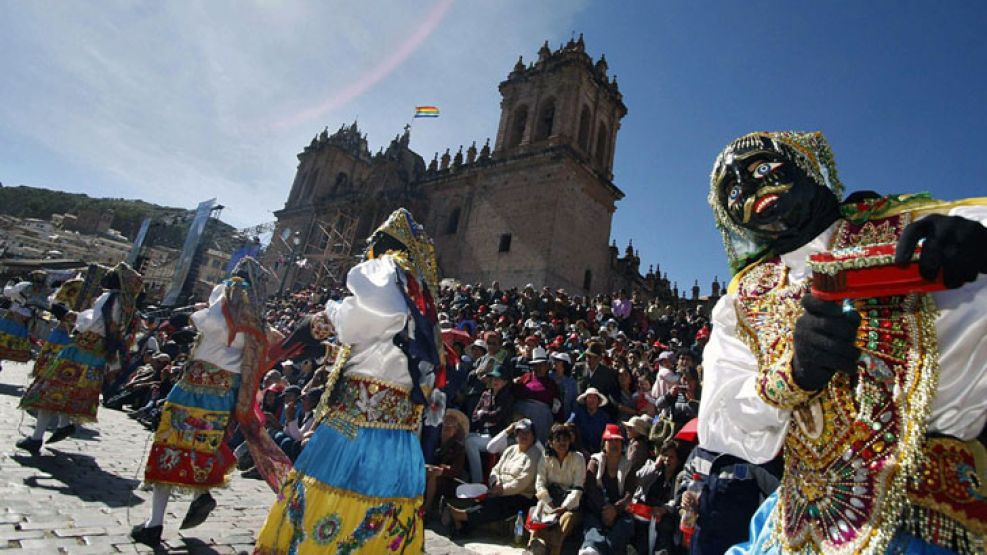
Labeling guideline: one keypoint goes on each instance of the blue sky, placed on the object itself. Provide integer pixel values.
(174, 102)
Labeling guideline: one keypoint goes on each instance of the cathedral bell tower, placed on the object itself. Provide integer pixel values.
(563, 98)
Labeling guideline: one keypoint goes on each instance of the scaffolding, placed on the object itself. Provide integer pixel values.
(330, 248)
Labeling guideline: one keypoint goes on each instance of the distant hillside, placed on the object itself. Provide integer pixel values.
(34, 202)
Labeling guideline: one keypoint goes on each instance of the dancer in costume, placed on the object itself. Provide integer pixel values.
(218, 389)
(877, 405)
(26, 298)
(357, 486)
(69, 386)
(61, 305)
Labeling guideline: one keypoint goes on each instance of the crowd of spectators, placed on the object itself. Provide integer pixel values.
(574, 405)
(569, 409)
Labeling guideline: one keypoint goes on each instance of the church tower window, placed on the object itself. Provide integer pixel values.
(453, 225)
(587, 279)
(517, 129)
(602, 151)
(584, 119)
(546, 120)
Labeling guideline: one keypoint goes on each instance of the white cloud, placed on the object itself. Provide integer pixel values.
(175, 102)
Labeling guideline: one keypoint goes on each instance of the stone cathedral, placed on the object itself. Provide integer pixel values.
(535, 207)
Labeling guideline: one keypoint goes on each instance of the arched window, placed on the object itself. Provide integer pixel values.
(584, 119)
(602, 151)
(452, 226)
(587, 279)
(546, 120)
(341, 184)
(518, 125)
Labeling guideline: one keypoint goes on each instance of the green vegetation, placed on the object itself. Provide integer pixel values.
(34, 202)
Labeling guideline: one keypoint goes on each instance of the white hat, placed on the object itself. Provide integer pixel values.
(592, 391)
(538, 355)
(562, 356)
(480, 343)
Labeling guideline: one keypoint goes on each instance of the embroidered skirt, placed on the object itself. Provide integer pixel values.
(357, 486)
(15, 345)
(57, 340)
(190, 448)
(71, 382)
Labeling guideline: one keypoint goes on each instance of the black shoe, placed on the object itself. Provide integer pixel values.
(33, 446)
(150, 537)
(62, 433)
(198, 511)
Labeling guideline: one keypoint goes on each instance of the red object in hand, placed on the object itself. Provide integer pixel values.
(863, 272)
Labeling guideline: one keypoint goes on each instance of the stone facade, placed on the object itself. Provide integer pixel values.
(536, 208)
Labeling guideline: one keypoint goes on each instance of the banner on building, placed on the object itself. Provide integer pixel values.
(188, 252)
(135, 250)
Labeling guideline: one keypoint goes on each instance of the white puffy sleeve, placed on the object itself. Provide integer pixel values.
(376, 310)
(91, 320)
(960, 406)
(732, 417)
(16, 292)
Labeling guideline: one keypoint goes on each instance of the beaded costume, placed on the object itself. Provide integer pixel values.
(357, 486)
(886, 459)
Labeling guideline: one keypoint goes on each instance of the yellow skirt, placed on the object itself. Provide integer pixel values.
(359, 524)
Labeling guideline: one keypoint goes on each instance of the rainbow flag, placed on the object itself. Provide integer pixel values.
(426, 112)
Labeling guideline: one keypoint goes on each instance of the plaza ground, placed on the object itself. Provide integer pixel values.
(83, 495)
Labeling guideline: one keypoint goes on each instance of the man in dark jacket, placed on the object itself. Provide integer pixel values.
(596, 374)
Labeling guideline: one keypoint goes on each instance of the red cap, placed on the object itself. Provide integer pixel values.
(531, 340)
(612, 432)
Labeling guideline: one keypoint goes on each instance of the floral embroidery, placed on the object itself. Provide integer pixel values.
(372, 524)
(202, 377)
(365, 403)
(296, 513)
(326, 529)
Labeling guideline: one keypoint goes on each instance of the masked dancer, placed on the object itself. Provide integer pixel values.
(68, 387)
(357, 486)
(26, 299)
(218, 389)
(876, 404)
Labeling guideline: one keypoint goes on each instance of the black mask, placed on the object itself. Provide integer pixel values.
(767, 193)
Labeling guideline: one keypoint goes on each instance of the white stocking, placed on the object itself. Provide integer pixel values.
(63, 420)
(159, 502)
(41, 425)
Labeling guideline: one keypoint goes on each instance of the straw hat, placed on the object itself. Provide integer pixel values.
(641, 424)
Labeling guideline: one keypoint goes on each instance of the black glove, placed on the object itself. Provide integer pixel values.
(824, 343)
(956, 245)
(59, 311)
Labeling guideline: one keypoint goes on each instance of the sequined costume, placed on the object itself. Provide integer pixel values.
(886, 460)
(70, 384)
(357, 486)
